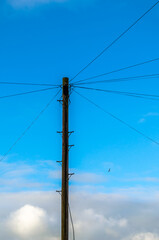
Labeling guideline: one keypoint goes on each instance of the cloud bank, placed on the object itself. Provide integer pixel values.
(27, 216)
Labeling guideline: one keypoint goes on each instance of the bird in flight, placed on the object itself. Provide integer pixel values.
(109, 170)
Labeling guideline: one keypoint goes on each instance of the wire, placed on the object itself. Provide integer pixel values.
(73, 229)
(131, 94)
(24, 93)
(117, 70)
(118, 119)
(71, 218)
(120, 79)
(30, 125)
(30, 84)
(112, 43)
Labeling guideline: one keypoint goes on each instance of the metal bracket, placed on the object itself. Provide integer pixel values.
(60, 101)
(60, 162)
(70, 146)
(70, 175)
(70, 133)
(60, 192)
(59, 132)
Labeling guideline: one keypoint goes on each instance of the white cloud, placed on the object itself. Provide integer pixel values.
(142, 120)
(56, 174)
(31, 3)
(81, 177)
(147, 115)
(108, 226)
(28, 221)
(89, 178)
(150, 179)
(142, 179)
(36, 215)
(152, 114)
(145, 236)
(20, 175)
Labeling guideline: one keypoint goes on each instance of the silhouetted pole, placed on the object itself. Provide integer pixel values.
(64, 201)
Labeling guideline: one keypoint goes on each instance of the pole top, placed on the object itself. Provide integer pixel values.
(65, 80)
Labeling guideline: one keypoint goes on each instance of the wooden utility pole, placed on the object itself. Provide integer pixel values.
(65, 176)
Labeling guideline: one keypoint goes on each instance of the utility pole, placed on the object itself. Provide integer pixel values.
(65, 173)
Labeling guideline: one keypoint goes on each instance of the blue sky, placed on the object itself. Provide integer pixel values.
(42, 41)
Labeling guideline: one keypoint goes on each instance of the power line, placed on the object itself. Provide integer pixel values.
(29, 84)
(156, 75)
(24, 93)
(30, 125)
(73, 229)
(112, 43)
(131, 94)
(117, 70)
(118, 119)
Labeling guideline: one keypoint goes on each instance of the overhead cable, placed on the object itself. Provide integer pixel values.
(24, 93)
(156, 75)
(131, 94)
(118, 119)
(29, 84)
(71, 218)
(29, 126)
(117, 70)
(112, 43)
